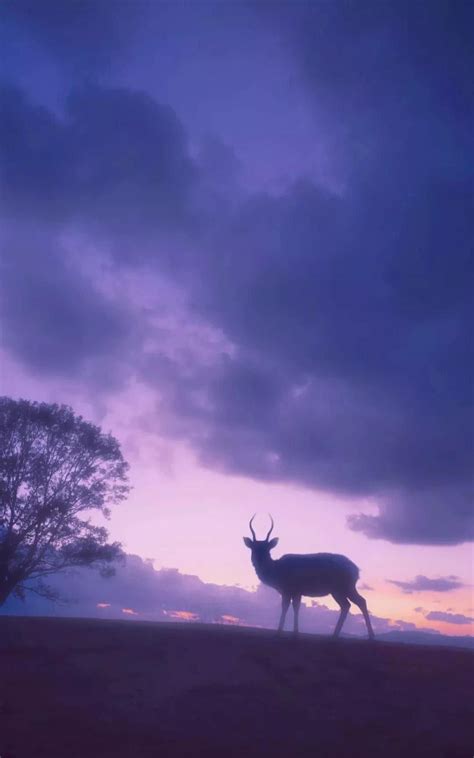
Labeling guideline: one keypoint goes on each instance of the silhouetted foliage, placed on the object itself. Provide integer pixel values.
(55, 470)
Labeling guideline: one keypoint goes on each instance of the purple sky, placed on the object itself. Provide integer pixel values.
(237, 236)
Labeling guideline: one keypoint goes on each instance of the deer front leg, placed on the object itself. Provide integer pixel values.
(296, 610)
(285, 603)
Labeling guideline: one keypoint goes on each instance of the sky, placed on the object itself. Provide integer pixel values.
(237, 235)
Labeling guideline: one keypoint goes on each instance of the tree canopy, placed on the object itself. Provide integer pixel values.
(56, 470)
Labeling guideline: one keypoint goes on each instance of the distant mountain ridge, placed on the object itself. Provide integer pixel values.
(427, 638)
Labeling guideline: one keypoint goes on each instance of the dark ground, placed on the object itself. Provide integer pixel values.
(73, 688)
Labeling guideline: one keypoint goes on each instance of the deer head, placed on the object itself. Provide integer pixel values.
(260, 548)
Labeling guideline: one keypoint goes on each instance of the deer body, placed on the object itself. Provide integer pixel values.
(312, 575)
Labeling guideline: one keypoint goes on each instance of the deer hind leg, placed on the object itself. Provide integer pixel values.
(344, 604)
(296, 609)
(285, 604)
(360, 601)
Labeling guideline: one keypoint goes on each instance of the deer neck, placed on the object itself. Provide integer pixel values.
(265, 569)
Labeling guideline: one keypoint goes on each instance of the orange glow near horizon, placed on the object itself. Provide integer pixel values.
(228, 619)
(182, 615)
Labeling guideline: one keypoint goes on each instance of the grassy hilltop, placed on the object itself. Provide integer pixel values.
(77, 688)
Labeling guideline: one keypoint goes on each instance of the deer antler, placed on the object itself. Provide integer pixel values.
(271, 528)
(251, 528)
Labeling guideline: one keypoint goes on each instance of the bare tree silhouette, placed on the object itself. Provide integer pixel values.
(313, 575)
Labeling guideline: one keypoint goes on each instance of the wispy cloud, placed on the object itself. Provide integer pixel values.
(450, 618)
(424, 584)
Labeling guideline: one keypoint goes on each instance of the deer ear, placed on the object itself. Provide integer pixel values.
(248, 542)
(273, 543)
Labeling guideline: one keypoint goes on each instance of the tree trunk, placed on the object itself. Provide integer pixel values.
(6, 588)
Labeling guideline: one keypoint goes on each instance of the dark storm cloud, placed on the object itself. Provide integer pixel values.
(450, 618)
(425, 584)
(53, 318)
(115, 163)
(34, 160)
(358, 308)
(353, 370)
(116, 160)
(131, 161)
(348, 314)
(392, 79)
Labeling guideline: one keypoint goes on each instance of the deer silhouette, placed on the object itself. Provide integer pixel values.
(313, 575)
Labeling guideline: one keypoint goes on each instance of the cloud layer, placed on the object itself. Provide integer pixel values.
(451, 618)
(424, 584)
(139, 591)
(322, 332)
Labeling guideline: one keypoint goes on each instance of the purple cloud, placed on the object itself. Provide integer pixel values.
(424, 584)
(450, 618)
